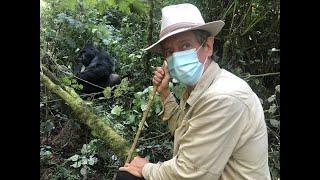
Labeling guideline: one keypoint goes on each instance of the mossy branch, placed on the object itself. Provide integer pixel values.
(118, 144)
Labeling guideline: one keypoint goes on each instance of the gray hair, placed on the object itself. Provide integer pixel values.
(202, 36)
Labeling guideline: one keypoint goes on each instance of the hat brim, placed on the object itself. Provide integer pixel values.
(212, 27)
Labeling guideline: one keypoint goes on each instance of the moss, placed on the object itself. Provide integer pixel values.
(119, 145)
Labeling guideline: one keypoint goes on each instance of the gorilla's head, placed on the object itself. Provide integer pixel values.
(87, 54)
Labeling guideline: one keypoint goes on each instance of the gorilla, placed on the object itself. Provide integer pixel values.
(98, 69)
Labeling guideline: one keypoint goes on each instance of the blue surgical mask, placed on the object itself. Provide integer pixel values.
(185, 66)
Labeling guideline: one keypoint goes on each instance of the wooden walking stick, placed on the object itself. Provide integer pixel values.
(144, 117)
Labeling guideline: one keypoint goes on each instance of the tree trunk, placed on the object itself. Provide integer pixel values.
(150, 32)
(100, 129)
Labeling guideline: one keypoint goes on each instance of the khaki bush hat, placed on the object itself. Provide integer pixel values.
(180, 18)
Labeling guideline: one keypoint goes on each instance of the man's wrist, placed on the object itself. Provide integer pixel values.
(164, 94)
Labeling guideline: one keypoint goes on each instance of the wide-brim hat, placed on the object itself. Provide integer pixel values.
(180, 18)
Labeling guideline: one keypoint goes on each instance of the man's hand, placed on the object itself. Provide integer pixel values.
(161, 79)
(135, 167)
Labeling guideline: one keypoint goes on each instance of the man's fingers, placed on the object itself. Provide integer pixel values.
(157, 74)
(155, 82)
(158, 80)
(126, 165)
(124, 168)
(160, 70)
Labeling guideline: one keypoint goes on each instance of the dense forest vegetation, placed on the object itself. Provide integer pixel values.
(86, 136)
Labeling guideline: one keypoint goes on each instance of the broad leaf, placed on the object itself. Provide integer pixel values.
(74, 157)
(116, 110)
(275, 123)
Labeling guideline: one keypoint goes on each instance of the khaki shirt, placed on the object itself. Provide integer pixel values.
(219, 132)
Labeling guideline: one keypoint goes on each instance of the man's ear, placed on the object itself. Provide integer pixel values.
(209, 45)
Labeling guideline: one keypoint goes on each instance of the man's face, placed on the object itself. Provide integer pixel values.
(185, 41)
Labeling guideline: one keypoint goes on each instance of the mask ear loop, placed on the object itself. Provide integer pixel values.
(200, 47)
(205, 60)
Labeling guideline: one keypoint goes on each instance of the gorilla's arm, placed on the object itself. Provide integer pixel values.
(97, 71)
(77, 68)
(94, 74)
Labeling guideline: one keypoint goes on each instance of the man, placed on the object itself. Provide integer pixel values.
(218, 127)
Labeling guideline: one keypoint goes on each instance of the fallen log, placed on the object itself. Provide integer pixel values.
(98, 127)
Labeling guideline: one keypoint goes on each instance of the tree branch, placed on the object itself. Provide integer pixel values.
(259, 75)
(163, 134)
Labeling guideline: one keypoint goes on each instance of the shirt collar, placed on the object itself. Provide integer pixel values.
(204, 82)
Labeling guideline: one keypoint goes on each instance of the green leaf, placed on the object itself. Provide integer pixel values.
(256, 81)
(94, 30)
(275, 123)
(124, 7)
(277, 88)
(238, 71)
(105, 41)
(45, 153)
(84, 149)
(66, 81)
(107, 92)
(92, 160)
(76, 164)
(83, 171)
(74, 157)
(111, 2)
(146, 124)
(143, 105)
(272, 109)
(131, 119)
(147, 90)
(84, 160)
(271, 98)
(116, 110)
(114, 157)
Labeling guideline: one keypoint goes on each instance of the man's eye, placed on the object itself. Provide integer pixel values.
(168, 53)
(186, 46)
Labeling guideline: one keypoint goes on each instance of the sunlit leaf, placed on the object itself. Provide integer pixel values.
(76, 164)
(277, 88)
(116, 110)
(74, 157)
(275, 123)
(271, 98)
(272, 109)
(92, 160)
(83, 171)
(107, 92)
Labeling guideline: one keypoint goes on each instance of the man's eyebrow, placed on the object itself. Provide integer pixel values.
(185, 39)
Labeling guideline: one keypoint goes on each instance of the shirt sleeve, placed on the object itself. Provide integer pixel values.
(170, 112)
(207, 144)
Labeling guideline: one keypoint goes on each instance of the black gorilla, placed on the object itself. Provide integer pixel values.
(98, 69)
(124, 175)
